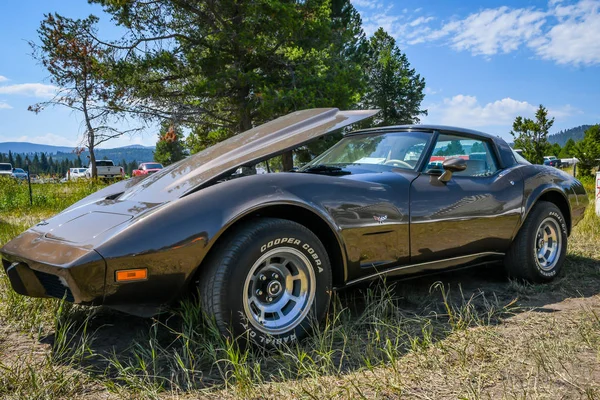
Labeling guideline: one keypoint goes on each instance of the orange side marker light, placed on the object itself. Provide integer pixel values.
(128, 275)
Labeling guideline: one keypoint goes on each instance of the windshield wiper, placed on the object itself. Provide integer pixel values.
(323, 168)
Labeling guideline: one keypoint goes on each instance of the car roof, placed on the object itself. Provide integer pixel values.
(419, 127)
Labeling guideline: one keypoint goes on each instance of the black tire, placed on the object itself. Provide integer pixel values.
(522, 260)
(232, 274)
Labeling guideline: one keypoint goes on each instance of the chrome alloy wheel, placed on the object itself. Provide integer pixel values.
(548, 242)
(279, 290)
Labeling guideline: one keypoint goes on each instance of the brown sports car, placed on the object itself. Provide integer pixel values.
(264, 251)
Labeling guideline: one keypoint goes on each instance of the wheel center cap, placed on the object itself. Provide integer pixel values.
(541, 243)
(274, 288)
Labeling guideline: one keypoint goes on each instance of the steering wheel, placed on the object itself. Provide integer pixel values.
(398, 163)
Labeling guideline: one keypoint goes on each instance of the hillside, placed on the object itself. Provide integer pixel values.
(26, 148)
(128, 153)
(562, 137)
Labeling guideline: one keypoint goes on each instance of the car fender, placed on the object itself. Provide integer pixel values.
(181, 233)
(546, 182)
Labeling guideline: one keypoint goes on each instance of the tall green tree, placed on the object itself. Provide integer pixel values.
(532, 135)
(392, 85)
(75, 61)
(567, 149)
(587, 151)
(170, 144)
(554, 149)
(223, 67)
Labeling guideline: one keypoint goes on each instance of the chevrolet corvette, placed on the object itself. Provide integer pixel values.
(265, 251)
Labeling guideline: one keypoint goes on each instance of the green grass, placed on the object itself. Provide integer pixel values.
(470, 334)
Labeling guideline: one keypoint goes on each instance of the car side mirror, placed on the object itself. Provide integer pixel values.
(455, 164)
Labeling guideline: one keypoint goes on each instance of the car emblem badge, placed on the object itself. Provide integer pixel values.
(380, 218)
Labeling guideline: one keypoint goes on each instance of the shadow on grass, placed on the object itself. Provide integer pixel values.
(367, 326)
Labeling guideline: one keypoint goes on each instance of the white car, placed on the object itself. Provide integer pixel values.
(76, 173)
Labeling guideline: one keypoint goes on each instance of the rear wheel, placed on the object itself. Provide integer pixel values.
(267, 281)
(538, 251)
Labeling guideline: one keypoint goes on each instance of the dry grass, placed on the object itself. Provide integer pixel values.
(468, 335)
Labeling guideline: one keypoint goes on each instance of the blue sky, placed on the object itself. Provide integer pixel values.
(484, 62)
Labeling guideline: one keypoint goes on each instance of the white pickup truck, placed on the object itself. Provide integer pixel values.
(106, 169)
(6, 169)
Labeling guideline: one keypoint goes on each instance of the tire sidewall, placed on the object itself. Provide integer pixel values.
(548, 211)
(258, 245)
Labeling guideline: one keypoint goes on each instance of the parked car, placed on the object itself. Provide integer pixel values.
(76, 173)
(552, 161)
(567, 162)
(265, 251)
(6, 170)
(147, 168)
(106, 169)
(34, 178)
(19, 174)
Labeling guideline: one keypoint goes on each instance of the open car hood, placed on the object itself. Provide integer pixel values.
(245, 149)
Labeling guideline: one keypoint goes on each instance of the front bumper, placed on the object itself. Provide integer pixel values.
(41, 267)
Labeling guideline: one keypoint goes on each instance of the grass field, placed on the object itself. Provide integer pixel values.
(467, 335)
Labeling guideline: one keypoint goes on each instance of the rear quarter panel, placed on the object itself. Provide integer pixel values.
(540, 179)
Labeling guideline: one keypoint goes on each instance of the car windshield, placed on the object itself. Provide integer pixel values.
(5, 167)
(81, 170)
(19, 171)
(104, 163)
(394, 150)
(153, 166)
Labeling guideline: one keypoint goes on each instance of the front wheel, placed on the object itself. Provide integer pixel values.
(267, 281)
(539, 250)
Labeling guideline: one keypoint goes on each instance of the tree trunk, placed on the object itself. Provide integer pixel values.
(287, 160)
(93, 162)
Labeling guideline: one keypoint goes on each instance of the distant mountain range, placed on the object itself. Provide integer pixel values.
(563, 137)
(130, 153)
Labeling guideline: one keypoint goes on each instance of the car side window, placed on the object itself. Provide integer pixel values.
(477, 153)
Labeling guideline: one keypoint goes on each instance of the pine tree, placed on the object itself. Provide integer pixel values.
(392, 85)
(587, 151)
(170, 146)
(532, 136)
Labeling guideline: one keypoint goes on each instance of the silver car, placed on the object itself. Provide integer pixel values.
(19, 173)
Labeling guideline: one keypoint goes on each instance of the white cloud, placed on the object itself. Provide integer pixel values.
(467, 111)
(561, 32)
(492, 31)
(398, 26)
(3, 78)
(564, 111)
(383, 20)
(464, 110)
(421, 21)
(5, 106)
(367, 3)
(30, 89)
(574, 40)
